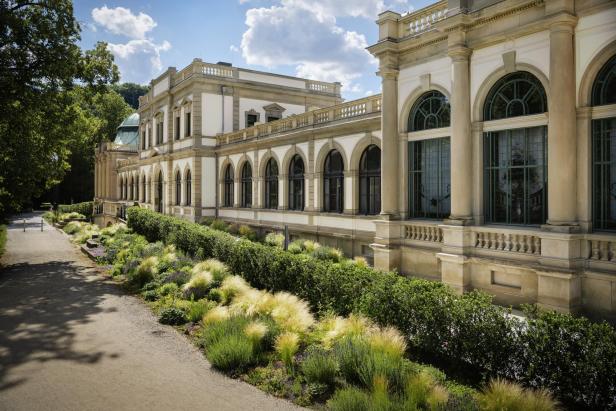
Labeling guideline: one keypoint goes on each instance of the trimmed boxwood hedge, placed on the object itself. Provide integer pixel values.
(573, 357)
(81, 208)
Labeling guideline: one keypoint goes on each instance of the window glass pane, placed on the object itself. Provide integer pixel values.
(604, 87)
(370, 181)
(430, 178)
(604, 174)
(516, 94)
(515, 176)
(430, 111)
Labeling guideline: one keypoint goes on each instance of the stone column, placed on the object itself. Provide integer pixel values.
(283, 191)
(390, 171)
(562, 150)
(461, 143)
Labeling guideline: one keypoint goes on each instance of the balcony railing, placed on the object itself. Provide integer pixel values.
(351, 109)
(422, 20)
(507, 240)
(203, 69)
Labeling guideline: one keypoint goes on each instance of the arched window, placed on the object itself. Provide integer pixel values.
(516, 94)
(604, 87)
(159, 193)
(188, 188)
(178, 188)
(604, 151)
(137, 189)
(333, 183)
(143, 189)
(430, 111)
(271, 184)
(246, 195)
(228, 184)
(296, 183)
(370, 181)
(515, 158)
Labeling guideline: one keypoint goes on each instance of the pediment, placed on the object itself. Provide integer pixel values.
(274, 108)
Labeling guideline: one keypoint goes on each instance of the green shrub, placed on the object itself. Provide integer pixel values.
(247, 232)
(150, 295)
(82, 208)
(219, 225)
(320, 367)
(2, 238)
(234, 353)
(172, 316)
(274, 239)
(350, 399)
(168, 289)
(207, 221)
(233, 229)
(468, 332)
(327, 254)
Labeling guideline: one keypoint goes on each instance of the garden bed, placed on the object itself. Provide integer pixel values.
(274, 340)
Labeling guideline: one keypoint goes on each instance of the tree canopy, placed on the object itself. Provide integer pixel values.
(131, 92)
(50, 91)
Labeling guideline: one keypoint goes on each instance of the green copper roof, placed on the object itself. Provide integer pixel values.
(128, 131)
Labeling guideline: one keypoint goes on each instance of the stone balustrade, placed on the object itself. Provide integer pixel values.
(506, 240)
(423, 19)
(351, 109)
(419, 232)
(599, 249)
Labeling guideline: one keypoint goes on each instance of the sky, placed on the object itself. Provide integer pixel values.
(316, 39)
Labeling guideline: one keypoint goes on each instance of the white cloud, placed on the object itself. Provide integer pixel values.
(301, 34)
(234, 48)
(344, 8)
(139, 60)
(122, 21)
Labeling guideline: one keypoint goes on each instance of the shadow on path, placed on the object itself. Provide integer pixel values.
(39, 306)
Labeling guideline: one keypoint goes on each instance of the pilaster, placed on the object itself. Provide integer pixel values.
(390, 170)
(562, 144)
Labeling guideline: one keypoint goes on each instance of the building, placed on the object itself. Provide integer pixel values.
(489, 161)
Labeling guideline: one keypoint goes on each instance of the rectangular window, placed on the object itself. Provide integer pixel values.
(143, 140)
(177, 128)
(515, 176)
(251, 119)
(159, 132)
(150, 136)
(187, 125)
(272, 118)
(604, 174)
(430, 178)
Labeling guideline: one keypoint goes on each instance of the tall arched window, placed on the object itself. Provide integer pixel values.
(188, 188)
(333, 183)
(430, 111)
(296, 183)
(143, 189)
(515, 158)
(228, 187)
(159, 192)
(604, 150)
(178, 188)
(370, 181)
(429, 159)
(246, 195)
(136, 189)
(271, 184)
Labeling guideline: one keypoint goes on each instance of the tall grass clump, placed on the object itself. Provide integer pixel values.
(291, 313)
(350, 399)
(198, 285)
(320, 367)
(144, 273)
(274, 239)
(500, 394)
(234, 353)
(286, 346)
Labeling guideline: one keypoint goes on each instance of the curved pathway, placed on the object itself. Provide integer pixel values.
(71, 340)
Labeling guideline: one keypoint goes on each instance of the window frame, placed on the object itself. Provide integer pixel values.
(333, 177)
(369, 183)
(246, 185)
(228, 186)
(271, 184)
(296, 183)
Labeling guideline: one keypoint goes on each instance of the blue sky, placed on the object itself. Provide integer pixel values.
(318, 39)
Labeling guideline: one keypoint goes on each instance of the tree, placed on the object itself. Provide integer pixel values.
(131, 92)
(40, 63)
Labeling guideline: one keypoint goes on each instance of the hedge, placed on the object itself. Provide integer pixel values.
(84, 208)
(573, 357)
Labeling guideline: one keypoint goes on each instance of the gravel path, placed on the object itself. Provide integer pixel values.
(71, 340)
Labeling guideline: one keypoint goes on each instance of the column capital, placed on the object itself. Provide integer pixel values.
(563, 22)
(459, 53)
(388, 73)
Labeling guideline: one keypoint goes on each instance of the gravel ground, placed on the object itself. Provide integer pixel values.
(72, 340)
